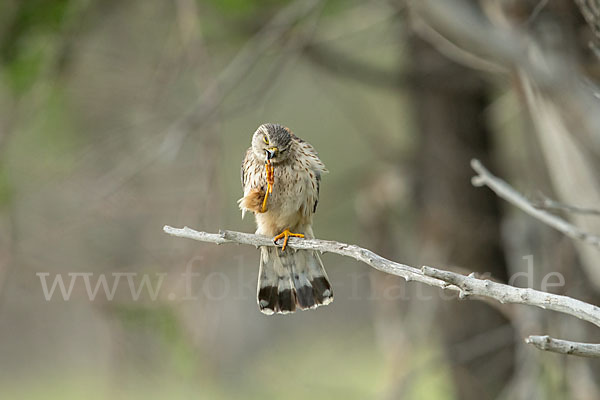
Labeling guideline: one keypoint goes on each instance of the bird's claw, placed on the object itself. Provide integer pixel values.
(286, 236)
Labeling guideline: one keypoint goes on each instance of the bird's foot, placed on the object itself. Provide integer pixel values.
(263, 209)
(286, 236)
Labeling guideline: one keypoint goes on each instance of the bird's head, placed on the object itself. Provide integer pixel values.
(272, 142)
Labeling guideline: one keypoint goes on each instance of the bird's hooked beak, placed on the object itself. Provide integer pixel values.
(271, 152)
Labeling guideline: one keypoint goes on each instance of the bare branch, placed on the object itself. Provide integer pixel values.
(470, 285)
(467, 286)
(549, 204)
(564, 346)
(358, 253)
(508, 193)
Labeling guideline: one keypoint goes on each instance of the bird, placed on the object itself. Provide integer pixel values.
(281, 179)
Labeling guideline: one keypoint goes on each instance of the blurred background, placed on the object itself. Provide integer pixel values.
(117, 118)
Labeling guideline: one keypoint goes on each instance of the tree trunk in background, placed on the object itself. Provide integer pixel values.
(460, 225)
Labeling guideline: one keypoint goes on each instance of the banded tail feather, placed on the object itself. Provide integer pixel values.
(290, 280)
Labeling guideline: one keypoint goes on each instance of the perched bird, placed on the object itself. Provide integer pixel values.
(281, 177)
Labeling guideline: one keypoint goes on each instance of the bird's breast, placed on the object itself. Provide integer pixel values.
(291, 190)
(291, 202)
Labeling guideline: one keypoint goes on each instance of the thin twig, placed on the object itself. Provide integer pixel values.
(547, 343)
(591, 13)
(467, 286)
(337, 62)
(536, 11)
(549, 204)
(508, 193)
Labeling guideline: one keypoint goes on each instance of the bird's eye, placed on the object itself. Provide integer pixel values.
(266, 139)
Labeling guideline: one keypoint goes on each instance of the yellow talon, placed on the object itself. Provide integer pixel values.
(264, 205)
(286, 234)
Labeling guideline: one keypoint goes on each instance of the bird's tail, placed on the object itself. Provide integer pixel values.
(290, 280)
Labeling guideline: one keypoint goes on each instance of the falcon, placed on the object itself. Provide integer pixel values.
(281, 178)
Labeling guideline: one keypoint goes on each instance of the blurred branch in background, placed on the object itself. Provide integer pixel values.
(543, 59)
(205, 108)
(518, 51)
(336, 62)
(468, 286)
(272, 32)
(590, 9)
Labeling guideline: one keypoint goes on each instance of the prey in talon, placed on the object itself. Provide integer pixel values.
(281, 178)
(270, 183)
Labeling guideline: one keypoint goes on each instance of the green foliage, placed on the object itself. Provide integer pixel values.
(32, 17)
(25, 67)
(245, 8)
(332, 7)
(28, 43)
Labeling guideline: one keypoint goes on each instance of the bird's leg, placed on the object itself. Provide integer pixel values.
(270, 183)
(286, 235)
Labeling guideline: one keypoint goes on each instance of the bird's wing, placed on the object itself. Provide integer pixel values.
(315, 162)
(317, 168)
(318, 176)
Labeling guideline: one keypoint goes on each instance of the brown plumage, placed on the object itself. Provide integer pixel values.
(288, 279)
(253, 200)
